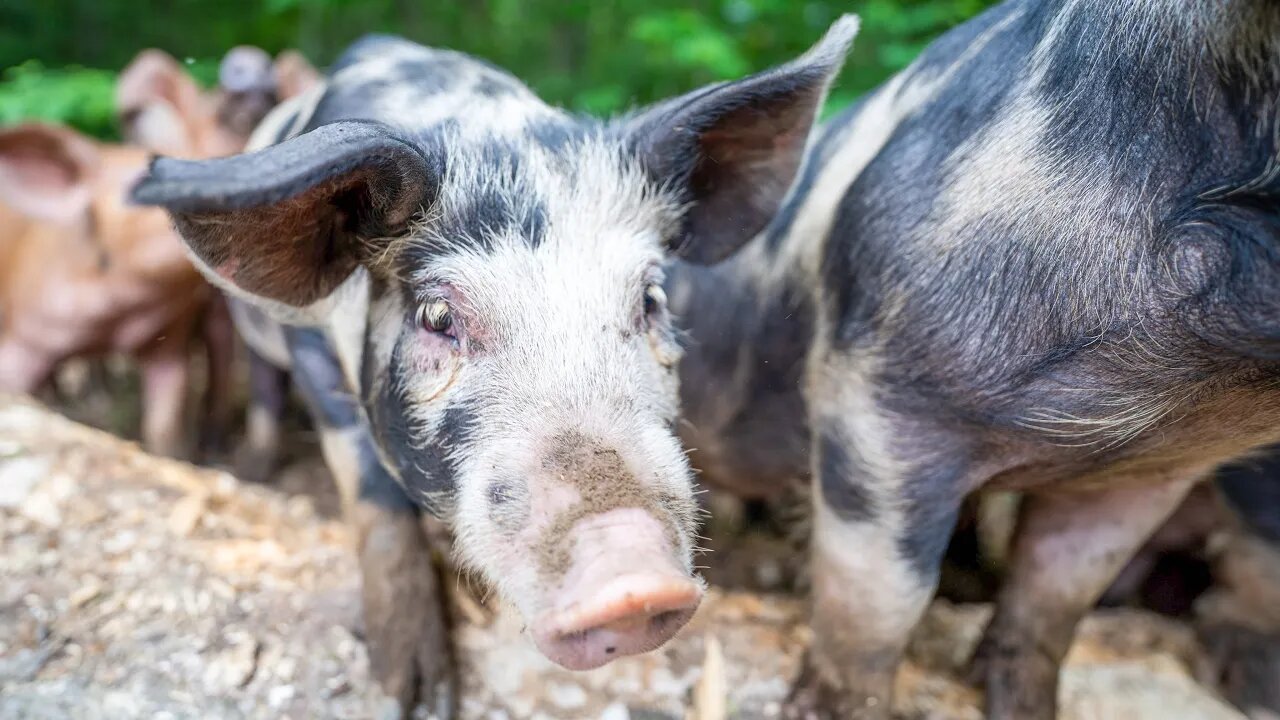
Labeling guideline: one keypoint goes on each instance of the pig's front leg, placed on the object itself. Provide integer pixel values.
(878, 541)
(1068, 549)
(404, 604)
(406, 628)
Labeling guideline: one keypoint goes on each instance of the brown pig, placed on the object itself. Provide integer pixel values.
(83, 272)
(162, 109)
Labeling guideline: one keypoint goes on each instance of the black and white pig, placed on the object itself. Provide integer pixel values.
(483, 273)
(1044, 257)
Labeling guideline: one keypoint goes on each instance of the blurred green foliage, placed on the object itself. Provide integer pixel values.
(598, 56)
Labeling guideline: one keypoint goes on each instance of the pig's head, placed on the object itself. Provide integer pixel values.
(161, 107)
(492, 285)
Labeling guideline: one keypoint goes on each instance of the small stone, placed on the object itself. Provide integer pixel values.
(18, 476)
(280, 695)
(336, 686)
(85, 593)
(186, 514)
(616, 711)
(566, 696)
(388, 709)
(233, 667)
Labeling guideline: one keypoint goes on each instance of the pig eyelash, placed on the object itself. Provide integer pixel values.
(655, 301)
(435, 316)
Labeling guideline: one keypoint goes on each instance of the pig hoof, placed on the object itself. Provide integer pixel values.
(253, 465)
(417, 672)
(212, 445)
(814, 698)
(1245, 663)
(1021, 682)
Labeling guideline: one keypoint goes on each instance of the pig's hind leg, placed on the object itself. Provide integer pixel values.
(1069, 547)
(406, 627)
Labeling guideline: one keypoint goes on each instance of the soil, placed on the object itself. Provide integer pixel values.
(132, 587)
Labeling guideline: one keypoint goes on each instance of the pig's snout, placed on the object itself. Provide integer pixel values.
(623, 594)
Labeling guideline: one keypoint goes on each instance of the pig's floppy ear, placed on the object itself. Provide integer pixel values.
(291, 222)
(731, 150)
(45, 171)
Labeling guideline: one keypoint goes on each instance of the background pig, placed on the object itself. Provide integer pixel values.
(83, 272)
(1043, 258)
(484, 272)
(162, 108)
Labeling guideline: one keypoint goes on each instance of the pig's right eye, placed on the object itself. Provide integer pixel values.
(435, 316)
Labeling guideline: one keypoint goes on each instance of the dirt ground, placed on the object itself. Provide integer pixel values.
(134, 587)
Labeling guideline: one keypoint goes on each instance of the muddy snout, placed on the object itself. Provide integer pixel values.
(624, 591)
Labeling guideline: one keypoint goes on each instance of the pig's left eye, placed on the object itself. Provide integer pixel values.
(435, 316)
(655, 301)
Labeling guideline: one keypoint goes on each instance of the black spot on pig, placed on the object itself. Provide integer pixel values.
(438, 457)
(495, 211)
(425, 458)
(429, 74)
(930, 502)
(555, 134)
(492, 87)
(319, 379)
(376, 484)
(843, 481)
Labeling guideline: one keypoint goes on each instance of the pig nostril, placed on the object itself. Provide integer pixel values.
(610, 650)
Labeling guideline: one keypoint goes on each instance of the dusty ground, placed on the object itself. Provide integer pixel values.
(134, 587)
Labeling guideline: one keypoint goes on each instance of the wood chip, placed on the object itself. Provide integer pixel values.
(711, 694)
(187, 512)
(85, 593)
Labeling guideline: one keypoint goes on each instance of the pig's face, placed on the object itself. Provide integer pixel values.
(491, 282)
(520, 374)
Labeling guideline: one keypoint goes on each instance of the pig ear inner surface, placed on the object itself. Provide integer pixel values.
(46, 172)
(732, 150)
(291, 222)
